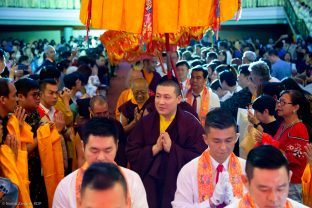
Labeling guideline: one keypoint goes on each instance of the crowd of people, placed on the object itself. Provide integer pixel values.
(173, 141)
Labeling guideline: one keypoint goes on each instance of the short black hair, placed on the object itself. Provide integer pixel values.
(25, 85)
(173, 82)
(243, 69)
(215, 85)
(99, 126)
(211, 55)
(49, 72)
(229, 77)
(70, 80)
(219, 118)
(103, 176)
(265, 157)
(4, 87)
(183, 62)
(43, 83)
(63, 64)
(200, 69)
(264, 102)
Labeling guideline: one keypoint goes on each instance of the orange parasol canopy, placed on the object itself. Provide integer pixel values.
(139, 27)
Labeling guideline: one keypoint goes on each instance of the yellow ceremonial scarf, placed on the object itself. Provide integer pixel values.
(307, 186)
(79, 182)
(204, 104)
(247, 202)
(148, 76)
(163, 123)
(205, 177)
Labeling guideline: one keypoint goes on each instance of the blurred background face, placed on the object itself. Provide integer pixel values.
(51, 53)
(99, 110)
(269, 188)
(49, 95)
(11, 100)
(182, 72)
(242, 80)
(197, 81)
(31, 101)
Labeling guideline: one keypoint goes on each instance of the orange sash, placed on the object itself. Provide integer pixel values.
(51, 157)
(205, 178)
(17, 170)
(204, 104)
(79, 182)
(307, 185)
(247, 202)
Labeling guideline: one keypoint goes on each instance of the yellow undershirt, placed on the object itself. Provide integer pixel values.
(163, 123)
(148, 76)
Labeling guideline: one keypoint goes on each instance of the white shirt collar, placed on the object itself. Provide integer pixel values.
(49, 112)
(225, 163)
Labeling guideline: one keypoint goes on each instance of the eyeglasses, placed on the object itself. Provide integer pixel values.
(282, 102)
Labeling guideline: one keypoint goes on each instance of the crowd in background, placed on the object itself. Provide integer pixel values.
(235, 73)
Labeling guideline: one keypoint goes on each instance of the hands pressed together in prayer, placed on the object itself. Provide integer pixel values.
(163, 143)
(223, 192)
(137, 114)
(59, 122)
(20, 114)
(13, 143)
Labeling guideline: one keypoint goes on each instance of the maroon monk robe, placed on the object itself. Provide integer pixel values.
(159, 173)
(127, 109)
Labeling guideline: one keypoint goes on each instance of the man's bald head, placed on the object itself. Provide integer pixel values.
(99, 106)
(139, 89)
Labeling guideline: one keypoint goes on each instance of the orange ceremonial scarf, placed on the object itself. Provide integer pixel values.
(79, 182)
(204, 104)
(247, 202)
(205, 177)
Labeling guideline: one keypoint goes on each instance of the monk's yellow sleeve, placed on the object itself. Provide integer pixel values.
(307, 186)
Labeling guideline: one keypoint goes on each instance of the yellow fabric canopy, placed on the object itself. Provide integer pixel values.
(167, 16)
(136, 29)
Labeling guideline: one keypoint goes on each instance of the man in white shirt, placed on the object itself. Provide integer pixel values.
(182, 72)
(100, 139)
(199, 96)
(267, 180)
(214, 178)
(104, 184)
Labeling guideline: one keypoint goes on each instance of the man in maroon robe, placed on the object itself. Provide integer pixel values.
(162, 142)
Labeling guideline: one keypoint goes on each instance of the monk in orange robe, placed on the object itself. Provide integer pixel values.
(17, 134)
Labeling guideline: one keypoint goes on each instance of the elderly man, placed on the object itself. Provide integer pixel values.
(249, 57)
(162, 142)
(213, 178)
(49, 52)
(267, 180)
